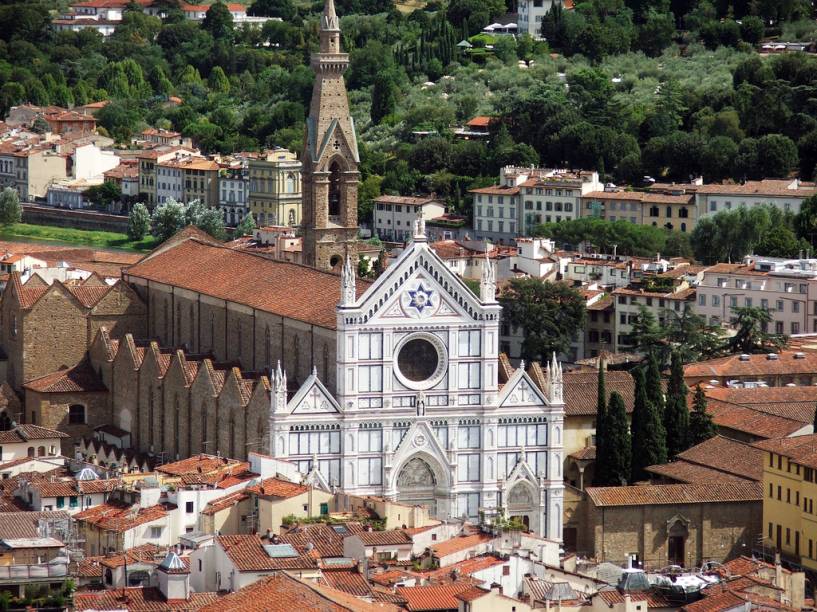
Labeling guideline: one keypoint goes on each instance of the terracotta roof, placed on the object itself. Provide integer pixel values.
(765, 187)
(25, 432)
(753, 422)
(683, 471)
(435, 597)
(480, 121)
(683, 294)
(140, 599)
(248, 555)
(88, 568)
(408, 200)
(466, 567)
(581, 390)
(654, 600)
(758, 365)
(647, 197)
(290, 290)
(144, 553)
(80, 378)
(460, 543)
(728, 600)
(222, 503)
(348, 580)
(496, 190)
(789, 402)
(15, 525)
(801, 449)
(327, 539)
(117, 516)
(70, 487)
(278, 488)
(726, 455)
(389, 578)
(651, 495)
(743, 566)
(588, 453)
(200, 464)
(384, 538)
(472, 594)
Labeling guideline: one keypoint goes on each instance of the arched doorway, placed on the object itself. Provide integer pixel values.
(416, 484)
(676, 542)
(521, 503)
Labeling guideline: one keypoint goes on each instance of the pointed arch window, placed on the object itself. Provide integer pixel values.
(334, 189)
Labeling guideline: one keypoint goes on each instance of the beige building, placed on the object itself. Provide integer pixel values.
(277, 499)
(275, 188)
(662, 304)
(30, 168)
(394, 216)
(672, 210)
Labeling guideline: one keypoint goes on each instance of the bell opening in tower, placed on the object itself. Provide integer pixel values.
(334, 192)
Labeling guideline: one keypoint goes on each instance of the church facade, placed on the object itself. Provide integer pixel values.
(418, 413)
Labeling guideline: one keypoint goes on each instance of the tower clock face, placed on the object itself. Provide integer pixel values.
(420, 361)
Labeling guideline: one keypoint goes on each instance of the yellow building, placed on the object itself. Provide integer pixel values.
(789, 493)
(275, 188)
(277, 498)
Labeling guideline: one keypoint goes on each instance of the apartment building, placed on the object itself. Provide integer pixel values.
(394, 216)
(662, 304)
(783, 286)
(605, 270)
(527, 197)
(233, 193)
(785, 194)
(670, 210)
(275, 188)
(31, 168)
(150, 185)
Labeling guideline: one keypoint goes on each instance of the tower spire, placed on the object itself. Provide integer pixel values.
(487, 284)
(348, 295)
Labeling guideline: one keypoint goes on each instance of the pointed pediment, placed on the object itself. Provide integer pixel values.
(334, 138)
(313, 398)
(520, 390)
(420, 438)
(522, 471)
(316, 479)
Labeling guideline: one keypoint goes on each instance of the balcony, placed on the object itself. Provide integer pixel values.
(24, 573)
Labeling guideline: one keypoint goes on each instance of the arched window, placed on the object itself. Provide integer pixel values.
(291, 217)
(150, 416)
(30, 451)
(239, 332)
(297, 355)
(76, 414)
(334, 190)
(212, 331)
(108, 576)
(683, 212)
(41, 451)
(669, 212)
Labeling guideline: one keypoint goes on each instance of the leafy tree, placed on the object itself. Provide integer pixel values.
(601, 421)
(218, 81)
(777, 155)
(647, 431)
(701, 426)
(655, 392)
(138, 222)
(10, 210)
(247, 225)
(284, 9)
(40, 126)
(752, 29)
(103, 195)
(476, 13)
(656, 33)
(690, 336)
(751, 323)
(211, 221)
(550, 314)
(805, 222)
(363, 267)
(218, 21)
(167, 219)
(613, 467)
(646, 336)
(781, 241)
(384, 95)
(676, 413)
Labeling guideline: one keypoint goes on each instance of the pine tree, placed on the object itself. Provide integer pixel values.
(616, 460)
(701, 426)
(676, 412)
(601, 417)
(655, 394)
(647, 431)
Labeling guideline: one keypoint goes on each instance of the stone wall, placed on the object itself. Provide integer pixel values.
(51, 410)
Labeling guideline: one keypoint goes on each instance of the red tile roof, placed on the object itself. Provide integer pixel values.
(650, 495)
(248, 555)
(465, 567)
(118, 517)
(389, 577)
(286, 289)
(460, 543)
(581, 391)
(789, 402)
(384, 538)
(80, 378)
(327, 541)
(759, 365)
(139, 599)
(726, 455)
(24, 433)
(683, 471)
(278, 488)
(614, 596)
(800, 449)
(348, 580)
(222, 503)
(753, 422)
(435, 597)
(200, 464)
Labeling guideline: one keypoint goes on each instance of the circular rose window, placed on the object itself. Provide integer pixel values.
(421, 361)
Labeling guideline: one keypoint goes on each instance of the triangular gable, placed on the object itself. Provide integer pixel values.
(522, 471)
(313, 398)
(317, 149)
(520, 390)
(420, 438)
(316, 479)
(398, 292)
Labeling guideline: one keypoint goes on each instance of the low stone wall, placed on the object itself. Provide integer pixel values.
(77, 219)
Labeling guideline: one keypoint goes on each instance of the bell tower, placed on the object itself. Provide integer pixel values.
(330, 160)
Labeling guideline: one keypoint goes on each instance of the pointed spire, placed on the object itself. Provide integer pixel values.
(487, 283)
(522, 454)
(329, 19)
(315, 371)
(522, 365)
(348, 292)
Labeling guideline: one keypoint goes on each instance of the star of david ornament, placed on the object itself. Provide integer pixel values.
(420, 298)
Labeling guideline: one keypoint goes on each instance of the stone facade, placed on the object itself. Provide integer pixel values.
(177, 405)
(330, 159)
(45, 327)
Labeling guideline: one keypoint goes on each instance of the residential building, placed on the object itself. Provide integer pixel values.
(772, 370)
(602, 270)
(680, 524)
(69, 193)
(785, 194)
(663, 304)
(394, 216)
(160, 136)
(89, 162)
(187, 178)
(72, 495)
(233, 193)
(784, 287)
(70, 123)
(31, 560)
(277, 498)
(534, 257)
(599, 329)
(672, 211)
(476, 128)
(275, 195)
(126, 176)
(531, 12)
(35, 168)
(150, 185)
(479, 599)
(25, 440)
(789, 491)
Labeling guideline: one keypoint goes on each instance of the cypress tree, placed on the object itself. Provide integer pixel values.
(676, 413)
(701, 427)
(601, 418)
(647, 432)
(617, 450)
(655, 394)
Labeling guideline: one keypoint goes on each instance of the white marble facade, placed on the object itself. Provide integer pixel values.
(419, 415)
